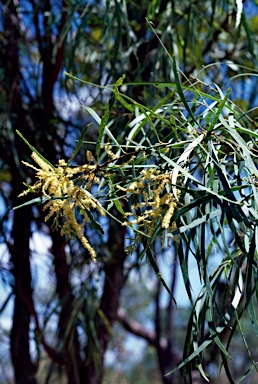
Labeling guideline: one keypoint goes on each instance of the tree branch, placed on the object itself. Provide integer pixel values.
(137, 329)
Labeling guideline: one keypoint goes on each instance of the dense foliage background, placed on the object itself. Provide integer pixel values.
(65, 319)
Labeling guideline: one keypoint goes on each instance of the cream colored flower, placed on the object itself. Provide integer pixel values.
(156, 202)
(67, 198)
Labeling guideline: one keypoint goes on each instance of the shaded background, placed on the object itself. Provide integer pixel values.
(55, 304)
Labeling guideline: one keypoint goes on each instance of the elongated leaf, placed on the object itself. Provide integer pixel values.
(218, 112)
(182, 159)
(246, 151)
(175, 70)
(124, 103)
(219, 329)
(105, 321)
(185, 271)
(92, 113)
(139, 121)
(156, 269)
(34, 150)
(98, 120)
(198, 221)
(38, 200)
(226, 367)
(246, 131)
(79, 144)
(191, 177)
(103, 123)
(93, 221)
(181, 93)
(236, 210)
(150, 122)
(115, 199)
(109, 88)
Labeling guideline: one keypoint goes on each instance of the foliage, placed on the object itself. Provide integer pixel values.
(171, 163)
(212, 197)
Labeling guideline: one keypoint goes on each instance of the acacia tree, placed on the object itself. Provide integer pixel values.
(138, 171)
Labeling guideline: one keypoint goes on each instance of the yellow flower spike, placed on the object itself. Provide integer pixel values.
(157, 203)
(168, 215)
(41, 163)
(89, 156)
(57, 183)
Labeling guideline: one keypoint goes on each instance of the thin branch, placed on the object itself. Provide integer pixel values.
(137, 329)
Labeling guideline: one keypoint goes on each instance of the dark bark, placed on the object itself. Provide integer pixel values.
(20, 352)
(52, 62)
(20, 119)
(109, 304)
(24, 369)
(68, 340)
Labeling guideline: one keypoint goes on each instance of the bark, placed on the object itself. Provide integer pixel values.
(52, 62)
(109, 304)
(20, 349)
(150, 336)
(70, 341)
(19, 248)
(21, 118)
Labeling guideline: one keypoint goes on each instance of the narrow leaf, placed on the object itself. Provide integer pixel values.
(79, 144)
(38, 200)
(156, 270)
(93, 222)
(103, 123)
(34, 150)
(181, 93)
(219, 110)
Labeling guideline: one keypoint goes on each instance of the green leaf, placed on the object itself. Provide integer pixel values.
(119, 82)
(246, 131)
(103, 123)
(198, 221)
(116, 199)
(118, 206)
(98, 120)
(218, 112)
(34, 150)
(124, 103)
(156, 269)
(93, 221)
(218, 329)
(38, 200)
(181, 93)
(79, 144)
(190, 176)
(87, 82)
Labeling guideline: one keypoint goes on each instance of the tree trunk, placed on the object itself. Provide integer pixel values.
(109, 304)
(70, 341)
(19, 248)
(20, 344)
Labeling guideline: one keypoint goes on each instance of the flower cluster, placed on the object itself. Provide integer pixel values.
(66, 193)
(155, 201)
